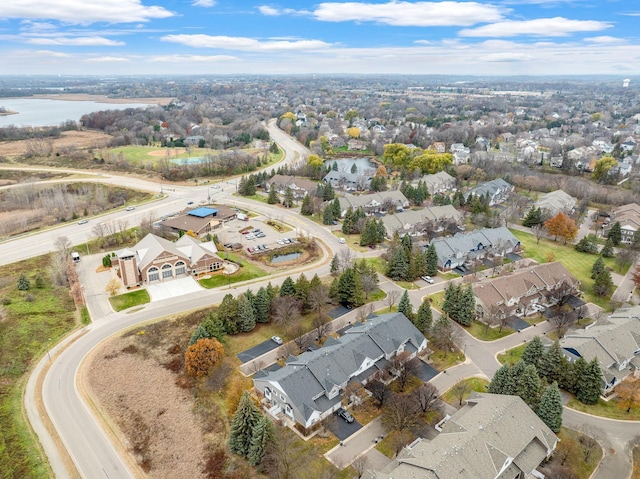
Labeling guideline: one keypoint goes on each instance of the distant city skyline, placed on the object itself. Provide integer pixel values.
(501, 37)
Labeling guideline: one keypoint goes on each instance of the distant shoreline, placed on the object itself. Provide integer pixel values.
(8, 112)
(103, 99)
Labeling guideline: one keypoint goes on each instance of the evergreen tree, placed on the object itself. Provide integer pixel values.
(572, 374)
(337, 209)
(533, 217)
(288, 200)
(315, 282)
(263, 434)
(615, 234)
(607, 249)
(228, 314)
(329, 193)
(262, 306)
(451, 294)
(302, 291)
(432, 260)
(243, 425)
(588, 244)
(424, 317)
(533, 351)
(327, 215)
(467, 308)
(246, 315)
(199, 333)
(589, 385)
(272, 291)
(306, 209)
(550, 408)
(334, 167)
(398, 268)
(598, 267)
(502, 381)
(272, 199)
(354, 168)
(23, 283)
(550, 363)
(407, 244)
(526, 382)
(214, 326)
(350, 291)
(288, 287)
(404, 306)
(334, 266)
(603, 284)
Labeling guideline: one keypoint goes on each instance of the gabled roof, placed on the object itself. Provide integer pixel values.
(493, 436)
(397, 221)
(356, 201)
(462, 244)
(556, 201)
(308, 378)
(492, 187)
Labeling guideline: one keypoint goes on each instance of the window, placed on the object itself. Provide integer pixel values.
(153, 274)
(167, 271)
(180, 268)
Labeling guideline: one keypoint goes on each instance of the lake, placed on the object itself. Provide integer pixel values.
(45, 112)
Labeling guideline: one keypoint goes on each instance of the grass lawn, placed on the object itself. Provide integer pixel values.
(480, 331)
(278, 226)
(575, 461)
(607, 409)
(636, 462)
(578, 263)
(407, 284)
(256, 197)
(378, 263)
(472, 384)
(127, 300)
(32, 322)
(437, 299)
(444, 359)
(246, 272)
(513, 355)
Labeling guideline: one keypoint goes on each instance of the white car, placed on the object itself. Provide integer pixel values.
(277, 339)
(250, 236)
(83, 222)
(130, 208)
(428, 279)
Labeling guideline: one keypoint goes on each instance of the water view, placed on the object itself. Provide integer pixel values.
(345, 164)
(45, 112)
(285, 257)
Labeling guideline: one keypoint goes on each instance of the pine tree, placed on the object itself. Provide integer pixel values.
(533, 217)
(424, 317)
(243, 425)
(23, 283)
(288, 199)
(199, 333)
(272, 291)
(302, 290)
(615, 234)
(404, 306)
(533, 351)
(502, 381)
(573, 373)
(550, 363)
(334, 266)
(450, 298)
(526, 382)
(550, 408)
(262, 306)
(315, 282)
(337, 209)
(306, 209)
(598, 267)
(214, 326)
(432, 260)
(329, 193)
(246, 315)
(467, 307)
(228, 314)
(607, 249)
(588, 244)
(263, 434)
(589, 384)
(603, 284)
(288, 287)
(272, 199)
(327, 215)
(399, 265)
(350, 291)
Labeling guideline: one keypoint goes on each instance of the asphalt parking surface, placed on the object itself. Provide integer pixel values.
(341, 428)
(257, 351)
(426, 372)
(518, 324)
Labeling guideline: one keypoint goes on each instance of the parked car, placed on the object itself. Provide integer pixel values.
(83, 222)
(280, 241)
(189, 202)
(130, 208)
(228, 245)
(260, 235)
(250, 249)
(428, 279)
(344, 414)
(264, 246)
(250, 236)
(277, 339)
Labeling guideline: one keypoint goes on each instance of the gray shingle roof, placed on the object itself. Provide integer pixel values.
(461, 245)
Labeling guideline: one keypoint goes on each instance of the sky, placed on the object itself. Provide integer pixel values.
(499, 37)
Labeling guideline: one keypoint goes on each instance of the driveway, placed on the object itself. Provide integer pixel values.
(342, 429)
(173, 288)
(426, 372)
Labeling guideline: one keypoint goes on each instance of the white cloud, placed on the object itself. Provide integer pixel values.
(83, 11)
(108, 60)
(274, 12)
(419, 14)
(49, 53)
(75, 41)
(193, 58)
(506, 57)
(243, 43)
(203, 3)
(542, 27)
(604, 39)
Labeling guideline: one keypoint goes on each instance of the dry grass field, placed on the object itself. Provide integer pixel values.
(80, 140)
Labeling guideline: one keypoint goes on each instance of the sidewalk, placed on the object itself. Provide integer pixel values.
(360, 443)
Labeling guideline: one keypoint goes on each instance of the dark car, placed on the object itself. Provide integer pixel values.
(344, 414)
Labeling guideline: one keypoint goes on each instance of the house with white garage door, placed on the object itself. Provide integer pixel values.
(156, 259)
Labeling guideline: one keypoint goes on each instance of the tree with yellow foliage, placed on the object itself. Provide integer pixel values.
(203, 355)
(113, 286)
(628, 393)
(353, 132)
(563, 226)
(315, 162)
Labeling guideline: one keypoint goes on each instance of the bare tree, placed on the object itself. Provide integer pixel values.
(379, 391)
(285, 310)
(400, 414)
(346, 258)
(392, 298)
(63, 245)
(321, 325)
(427, 398)
(404, 367)
(360, 465)
(285, 455)
(297, 332)
(539, 232)
(363, 312)
(460, 390)
(563, 320)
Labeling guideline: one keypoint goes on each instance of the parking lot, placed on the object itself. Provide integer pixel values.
(254, 236)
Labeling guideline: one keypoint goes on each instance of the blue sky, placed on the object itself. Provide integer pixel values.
(500, 37)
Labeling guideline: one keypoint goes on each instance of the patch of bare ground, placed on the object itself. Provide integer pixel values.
(131, 378)
(79, 139)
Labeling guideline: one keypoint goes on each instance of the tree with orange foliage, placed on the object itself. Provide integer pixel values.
(635, 276)
(563, 226)
(202, 356)
(628, 392)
